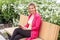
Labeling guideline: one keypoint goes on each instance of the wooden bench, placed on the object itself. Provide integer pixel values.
(48, 31)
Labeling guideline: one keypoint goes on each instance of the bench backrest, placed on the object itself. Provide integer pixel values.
(23, 19)
(48, 31)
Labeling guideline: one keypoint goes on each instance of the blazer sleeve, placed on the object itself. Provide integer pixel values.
(38, 23)
(26, 25)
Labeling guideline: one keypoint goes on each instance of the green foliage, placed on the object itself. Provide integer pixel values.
(48, 9)
(8, 11)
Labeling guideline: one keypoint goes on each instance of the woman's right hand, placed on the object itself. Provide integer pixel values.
(20, 26)
(24, 28)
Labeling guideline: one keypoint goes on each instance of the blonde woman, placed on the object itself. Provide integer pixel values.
(31, 29)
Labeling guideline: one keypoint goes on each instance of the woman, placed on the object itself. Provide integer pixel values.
(31, 29)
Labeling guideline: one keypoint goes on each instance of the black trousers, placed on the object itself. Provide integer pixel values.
(20, 33)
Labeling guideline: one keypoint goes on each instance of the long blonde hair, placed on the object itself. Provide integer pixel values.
(33, 4)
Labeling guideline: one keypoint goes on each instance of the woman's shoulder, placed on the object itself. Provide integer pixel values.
(37, 15)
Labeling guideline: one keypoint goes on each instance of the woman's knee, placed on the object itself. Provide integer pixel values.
(17, 29)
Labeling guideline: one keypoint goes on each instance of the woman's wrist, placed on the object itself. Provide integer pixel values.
(28, 28)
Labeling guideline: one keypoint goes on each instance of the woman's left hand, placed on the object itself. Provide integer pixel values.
(25, 28)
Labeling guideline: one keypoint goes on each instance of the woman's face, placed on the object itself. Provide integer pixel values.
(31, 9)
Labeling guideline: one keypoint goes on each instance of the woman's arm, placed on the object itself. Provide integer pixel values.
(38, 23)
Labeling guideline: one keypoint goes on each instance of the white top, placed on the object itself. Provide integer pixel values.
(30, 21)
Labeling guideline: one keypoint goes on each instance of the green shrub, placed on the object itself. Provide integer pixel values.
(8, 11)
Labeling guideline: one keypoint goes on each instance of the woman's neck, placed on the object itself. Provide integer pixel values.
(33, 13)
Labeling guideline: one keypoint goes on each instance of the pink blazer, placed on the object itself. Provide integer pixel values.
(36, 24)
